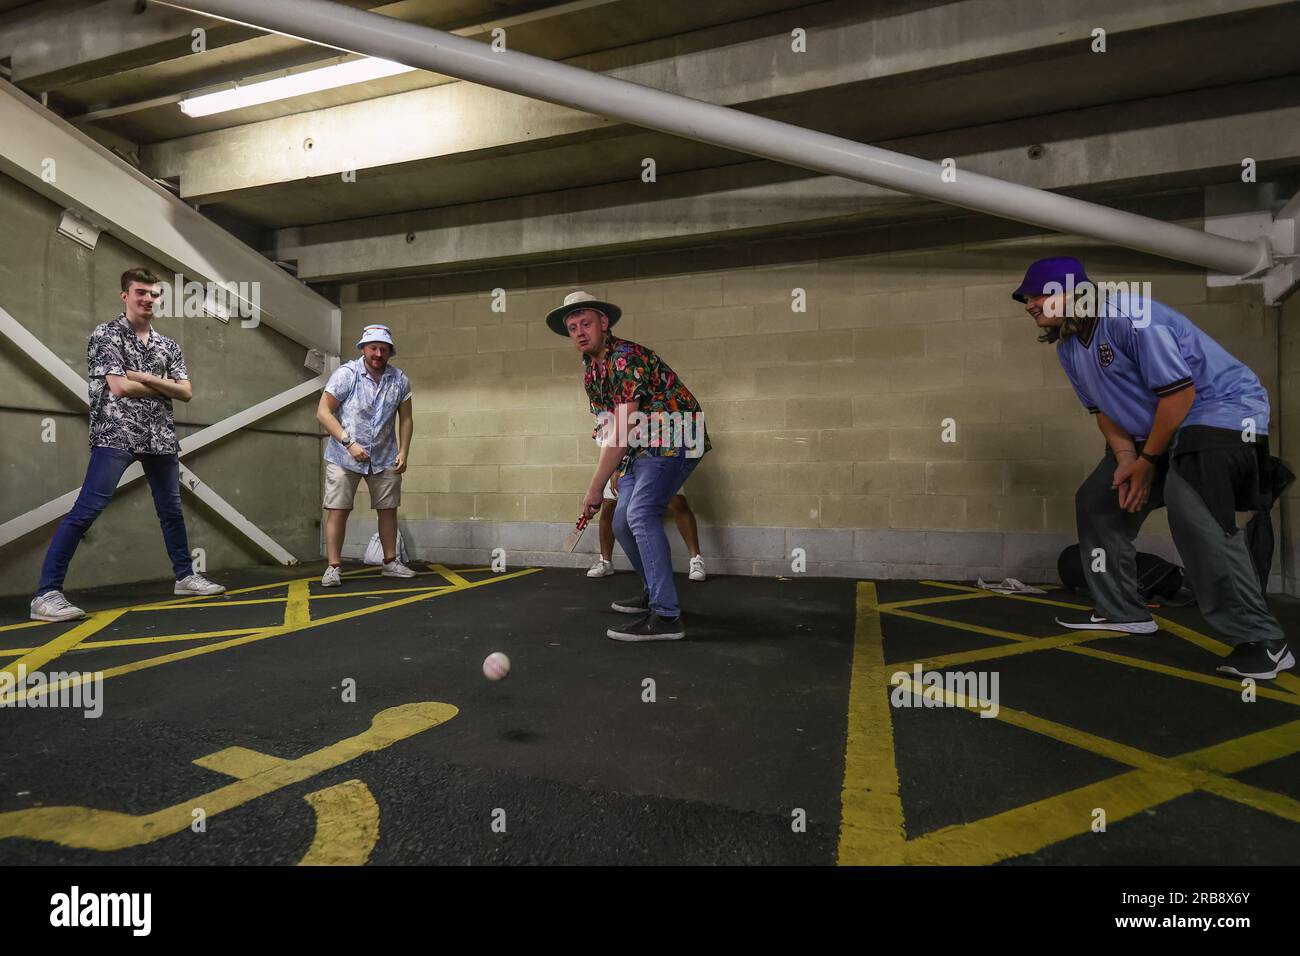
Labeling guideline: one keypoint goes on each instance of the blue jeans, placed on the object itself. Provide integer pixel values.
(104, 472)
(643, 494)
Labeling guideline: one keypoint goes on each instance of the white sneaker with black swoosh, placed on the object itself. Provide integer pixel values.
(1094, 623)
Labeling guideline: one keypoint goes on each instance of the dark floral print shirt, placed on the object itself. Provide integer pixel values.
(634, 373)
(144, 426)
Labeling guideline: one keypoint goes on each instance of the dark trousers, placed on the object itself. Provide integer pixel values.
(163, 473)
(1218, 565)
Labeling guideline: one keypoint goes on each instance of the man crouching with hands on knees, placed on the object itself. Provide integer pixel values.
(1186, 427)
(358, 408)
(651, 431)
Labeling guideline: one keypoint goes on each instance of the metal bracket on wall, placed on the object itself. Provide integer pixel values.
(78, 229)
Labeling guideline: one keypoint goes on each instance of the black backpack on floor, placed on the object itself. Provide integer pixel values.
(1159, 581)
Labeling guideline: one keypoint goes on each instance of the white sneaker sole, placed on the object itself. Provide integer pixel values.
(1136, 627)
(614, 635)
(600, 574)
(628, 609)
(699, 578)
(331, 584)
(397, 574)
(186, 592)
(57, 619)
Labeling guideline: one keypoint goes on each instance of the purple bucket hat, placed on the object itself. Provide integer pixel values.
(1056, 269)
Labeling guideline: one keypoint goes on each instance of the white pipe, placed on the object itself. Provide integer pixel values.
(359, 31)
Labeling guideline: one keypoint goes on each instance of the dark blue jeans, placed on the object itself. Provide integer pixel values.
(104, 472)
(643, 494)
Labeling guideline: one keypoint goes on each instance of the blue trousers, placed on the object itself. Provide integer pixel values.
(104, 472)
(643, 493)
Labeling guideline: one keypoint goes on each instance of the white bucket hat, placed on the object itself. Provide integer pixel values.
(378, 333)
(580, 300)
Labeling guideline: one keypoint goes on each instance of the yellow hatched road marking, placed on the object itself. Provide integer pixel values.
(269, 632)
(871, 817)
(38, 657)
(347, 825)
(1026, 829)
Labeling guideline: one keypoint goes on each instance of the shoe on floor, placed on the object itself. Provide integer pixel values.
(637, 605)
(53, 606)
(396, 569)
(331, 578)
(197, 584)
(1262, 660)
(697, 568)
(652, 627)
(1094, 623)
(601, 569)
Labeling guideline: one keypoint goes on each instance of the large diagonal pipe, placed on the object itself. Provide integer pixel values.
(358, 31)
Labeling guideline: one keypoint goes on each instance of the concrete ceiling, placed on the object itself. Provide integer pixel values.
(963, 78)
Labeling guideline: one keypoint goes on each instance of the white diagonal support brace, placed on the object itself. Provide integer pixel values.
(39, 352)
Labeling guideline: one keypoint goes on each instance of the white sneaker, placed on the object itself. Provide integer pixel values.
(330, 579)
(53, 606)
(197, 584)
(697, 568)
(601, 569)
(396, 569)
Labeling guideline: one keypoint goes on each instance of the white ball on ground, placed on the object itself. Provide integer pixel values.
(496, 666)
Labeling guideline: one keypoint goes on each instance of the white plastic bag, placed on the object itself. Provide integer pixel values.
(375, 550)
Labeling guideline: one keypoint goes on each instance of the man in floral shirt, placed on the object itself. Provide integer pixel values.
(135, 372)
(651, 430)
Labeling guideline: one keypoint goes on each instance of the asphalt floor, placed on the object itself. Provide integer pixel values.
(283, 723)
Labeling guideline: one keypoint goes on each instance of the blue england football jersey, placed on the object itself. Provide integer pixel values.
(1123, 367)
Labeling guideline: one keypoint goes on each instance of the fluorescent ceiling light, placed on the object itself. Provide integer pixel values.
(299, 84)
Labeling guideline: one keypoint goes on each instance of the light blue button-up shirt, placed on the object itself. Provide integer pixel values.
(368, 411)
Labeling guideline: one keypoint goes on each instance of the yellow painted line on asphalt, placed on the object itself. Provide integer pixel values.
(871, 810)
(133, 641)
(1034, 826)
(382, 591)
(450, 575)
(998, 651)
(38, 657)
(347, 825)
(23, 624)
(297, 608)
(265, 633)
(238, 762)
(943, 599)
(1027, 598)
(107, 830)
(157, 605)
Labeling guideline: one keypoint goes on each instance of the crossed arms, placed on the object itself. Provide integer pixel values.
(143, 385)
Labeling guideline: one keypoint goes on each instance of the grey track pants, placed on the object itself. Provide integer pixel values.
(1218, 566)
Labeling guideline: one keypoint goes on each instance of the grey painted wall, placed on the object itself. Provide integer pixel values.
(59, 291)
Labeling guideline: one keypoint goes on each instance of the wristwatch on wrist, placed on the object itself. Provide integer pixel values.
(1151, 458)
(346, 440)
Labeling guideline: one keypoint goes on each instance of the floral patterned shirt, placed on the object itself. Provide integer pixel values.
(634, 373)
(144, 426)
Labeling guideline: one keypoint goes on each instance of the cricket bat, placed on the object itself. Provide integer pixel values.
(571, 542)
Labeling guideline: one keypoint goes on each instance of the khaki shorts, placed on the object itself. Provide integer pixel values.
(341, 487)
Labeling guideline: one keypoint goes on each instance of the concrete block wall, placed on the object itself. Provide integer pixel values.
(60, 291)
(827, 424)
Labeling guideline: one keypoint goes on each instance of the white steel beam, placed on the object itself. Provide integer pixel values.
(358, 31)
(66, 166)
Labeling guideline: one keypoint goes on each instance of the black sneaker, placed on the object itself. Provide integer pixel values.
(652, 627)
(637, 605)
(1094, 623)
(1259, 659)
